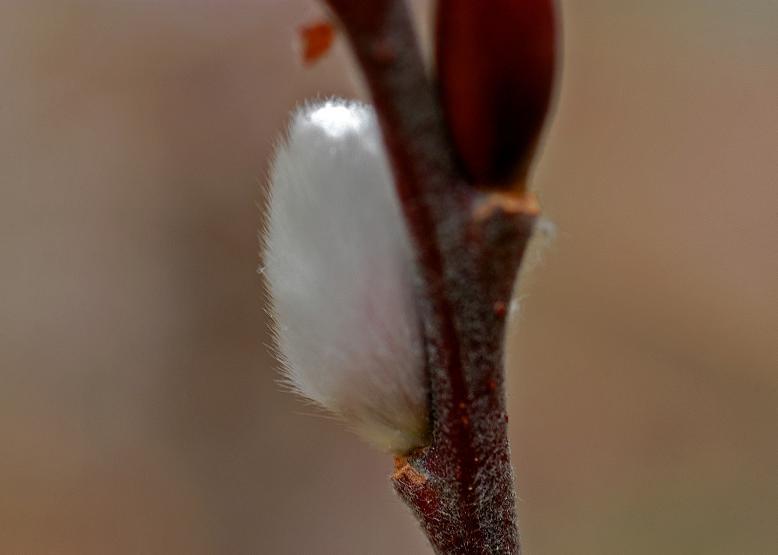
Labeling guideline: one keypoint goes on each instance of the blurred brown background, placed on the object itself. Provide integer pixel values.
(138, 409)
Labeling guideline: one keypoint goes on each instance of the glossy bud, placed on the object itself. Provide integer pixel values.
(495, 67)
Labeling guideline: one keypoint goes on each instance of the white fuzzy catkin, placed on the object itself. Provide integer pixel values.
(338, 263)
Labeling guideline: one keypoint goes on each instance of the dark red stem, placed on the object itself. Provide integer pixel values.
(469, 244)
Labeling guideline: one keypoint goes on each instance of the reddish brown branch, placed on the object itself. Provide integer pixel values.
(469, 244)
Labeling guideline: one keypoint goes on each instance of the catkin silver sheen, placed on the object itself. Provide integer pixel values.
(339, 267)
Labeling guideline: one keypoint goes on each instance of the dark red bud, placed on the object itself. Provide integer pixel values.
(495, 61)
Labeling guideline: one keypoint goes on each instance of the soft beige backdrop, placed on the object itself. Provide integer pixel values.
(138, 409)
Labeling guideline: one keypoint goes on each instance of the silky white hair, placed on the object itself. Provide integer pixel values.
(339, 268)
